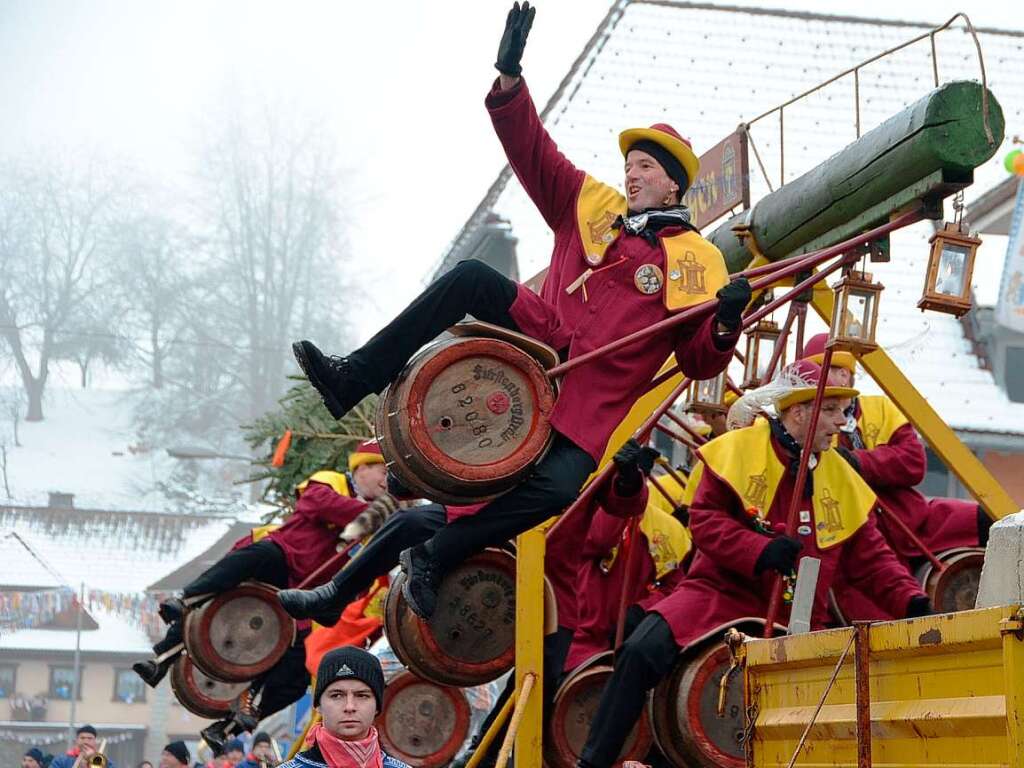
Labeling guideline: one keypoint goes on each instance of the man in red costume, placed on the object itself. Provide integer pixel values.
(738, 517)
(617, 267)
(883, 447)
(282, 556)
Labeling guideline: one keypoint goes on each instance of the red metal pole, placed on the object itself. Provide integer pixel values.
(676, 436)
(780, 344)
(898, 522)
(334, 562)
(775, 601)
(705, 308)
(667, 466)
(661, 489)
(642, 433)
(862, 691)
(631, 548)
(697, 437)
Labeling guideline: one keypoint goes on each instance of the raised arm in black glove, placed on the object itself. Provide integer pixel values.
(851, 459)
(919, 606)
(780, 555)
(633, 462)
(732, 300)
(513, 40)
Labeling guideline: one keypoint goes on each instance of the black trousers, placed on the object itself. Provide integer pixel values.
(404, 529)
(263, 560)
(552, 486)
(285, 682)
(469, 288)
(645, 658)
(556, 650)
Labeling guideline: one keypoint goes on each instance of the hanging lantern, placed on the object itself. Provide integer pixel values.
(762, 341)
(708, 395)
(947, 285)
(855, 313)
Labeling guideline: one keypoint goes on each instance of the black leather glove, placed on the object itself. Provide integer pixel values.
(919, 606)
(633, 462)
(732, 300)
(851, 459)
(513, 40)
(780, 555)
(682, 514)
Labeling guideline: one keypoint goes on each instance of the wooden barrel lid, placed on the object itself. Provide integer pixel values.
(199, 693)
(422, 723)
(239, 634)
(956, 587)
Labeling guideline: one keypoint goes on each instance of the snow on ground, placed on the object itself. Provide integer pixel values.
(86, 446)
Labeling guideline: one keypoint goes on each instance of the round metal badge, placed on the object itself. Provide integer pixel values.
(648, 279)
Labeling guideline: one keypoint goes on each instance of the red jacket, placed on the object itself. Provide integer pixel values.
(564, 551)
(309, 537)
(720, 585)
(600, 590)
(594, 398)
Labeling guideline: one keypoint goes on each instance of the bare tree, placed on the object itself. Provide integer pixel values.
(271, 190)
(53, 225)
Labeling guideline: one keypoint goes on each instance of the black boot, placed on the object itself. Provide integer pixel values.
(322, 604)
(332, 377)
(216, 735)
(422, 579)
(151, 672)
(172, 610)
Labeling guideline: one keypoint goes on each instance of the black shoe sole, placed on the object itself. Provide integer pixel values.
(152, 680)
(405, 561)
(332, 403)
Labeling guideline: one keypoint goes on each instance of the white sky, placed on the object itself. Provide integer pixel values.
(400, 82)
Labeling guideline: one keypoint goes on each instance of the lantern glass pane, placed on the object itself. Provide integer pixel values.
(709, 391)
(764, 355)
(858, 317)
(950, 276)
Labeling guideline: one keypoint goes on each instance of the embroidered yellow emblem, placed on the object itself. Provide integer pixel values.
(830, 510)
(757, 489)
(690, 274)
(601, 229)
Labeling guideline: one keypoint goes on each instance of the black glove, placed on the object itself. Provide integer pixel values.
(851, 459)
(780, 555)
(682, 514)
(633, 462)
(513, 40)
(919, 606)
(634, 615)
(732, 300)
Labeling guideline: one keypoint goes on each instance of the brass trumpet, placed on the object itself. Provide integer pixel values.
(96, 760)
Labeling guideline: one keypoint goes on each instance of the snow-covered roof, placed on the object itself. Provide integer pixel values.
(115, 634)
(705, 69)
(21, 568)
(109, 550)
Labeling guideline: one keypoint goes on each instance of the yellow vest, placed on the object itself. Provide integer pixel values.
(745, 459)
(696, 268)
(668, 541)
(879, 418)
(336, 480)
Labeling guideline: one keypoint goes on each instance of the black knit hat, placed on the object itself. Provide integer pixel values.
(180, 751)
(349, 662)
(261, 738)
(86, 729)
(673, 168)
(36, 754)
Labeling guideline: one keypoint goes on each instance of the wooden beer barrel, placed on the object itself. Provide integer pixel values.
(470, 639)
(422, 723)
(956, 587)
(574, 708)
(199, 693)
(466, 419)
(684, 712)
(239, 634)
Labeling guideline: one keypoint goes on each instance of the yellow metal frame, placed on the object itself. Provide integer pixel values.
(944, 690)
(530, 647)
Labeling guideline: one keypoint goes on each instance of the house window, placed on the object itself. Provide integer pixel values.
(8, 676)
(128, 687)
(936, 480)
(1014, 374)
(62, 683)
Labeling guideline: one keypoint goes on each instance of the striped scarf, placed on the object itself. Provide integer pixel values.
(647, 223)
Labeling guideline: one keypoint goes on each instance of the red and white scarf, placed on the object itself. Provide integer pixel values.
(339, 753)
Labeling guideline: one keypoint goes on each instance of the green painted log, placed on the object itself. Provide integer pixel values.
(926, 152)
